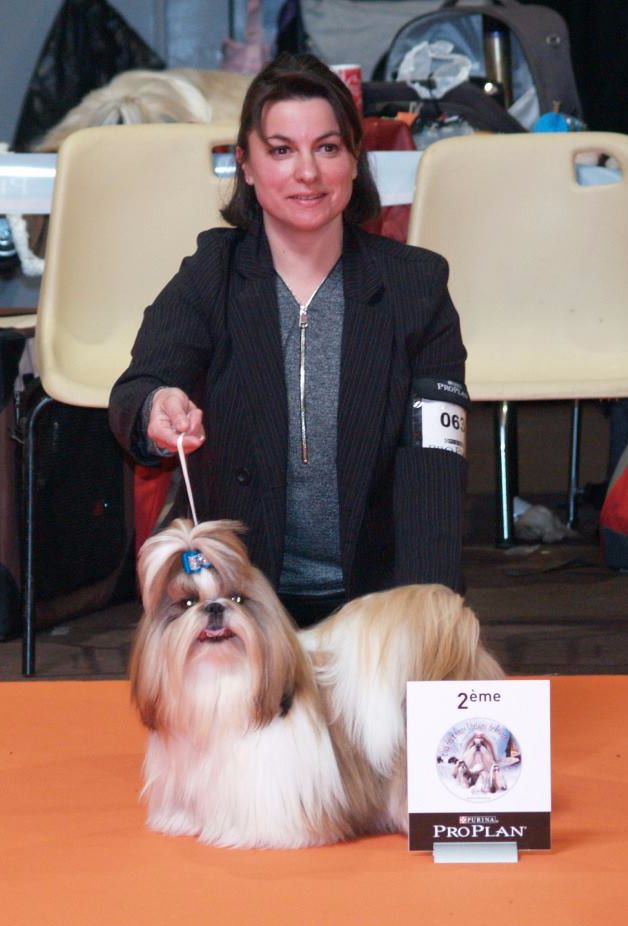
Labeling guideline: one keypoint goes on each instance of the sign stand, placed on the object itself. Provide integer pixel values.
(475, 852)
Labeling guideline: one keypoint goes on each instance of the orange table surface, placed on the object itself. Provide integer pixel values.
(74, 848)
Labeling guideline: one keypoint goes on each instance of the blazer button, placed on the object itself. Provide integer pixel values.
(243, 476)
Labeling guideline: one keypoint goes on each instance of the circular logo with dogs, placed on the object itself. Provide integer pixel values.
(478, 760)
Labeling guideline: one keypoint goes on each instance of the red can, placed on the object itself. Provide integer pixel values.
(351, 75)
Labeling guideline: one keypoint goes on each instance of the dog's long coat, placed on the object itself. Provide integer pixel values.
(262, 735)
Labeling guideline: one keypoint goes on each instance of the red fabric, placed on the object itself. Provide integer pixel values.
(392, 222)
(614, 513)
(151, 485)
(382, 134)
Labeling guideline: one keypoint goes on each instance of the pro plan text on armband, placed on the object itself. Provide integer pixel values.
(439, 425)
(454, 390)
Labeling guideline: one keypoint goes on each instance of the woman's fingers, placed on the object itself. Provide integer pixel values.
(173, 413)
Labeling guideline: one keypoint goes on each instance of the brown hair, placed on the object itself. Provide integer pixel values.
(302, 77)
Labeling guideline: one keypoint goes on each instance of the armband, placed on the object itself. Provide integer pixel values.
(437, 417)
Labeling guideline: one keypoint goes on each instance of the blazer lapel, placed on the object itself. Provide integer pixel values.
(254, 327)
(364, 374)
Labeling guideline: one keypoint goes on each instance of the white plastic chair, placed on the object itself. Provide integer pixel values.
(128, 204)
(539, 273)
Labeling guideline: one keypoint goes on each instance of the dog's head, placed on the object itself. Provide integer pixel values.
(479, 751)
(186, 561)
(213, 632)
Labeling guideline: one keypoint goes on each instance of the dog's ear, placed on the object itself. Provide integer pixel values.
(148, 712)
(286, 703)
(158, 558)
(144, 674)
(284, 670)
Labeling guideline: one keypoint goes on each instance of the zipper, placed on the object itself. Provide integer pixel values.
(303, 322)
(302, 330)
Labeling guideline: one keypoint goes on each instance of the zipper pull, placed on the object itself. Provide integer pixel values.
(302, 316)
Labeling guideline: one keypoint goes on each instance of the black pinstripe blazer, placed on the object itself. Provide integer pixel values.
(214, 332)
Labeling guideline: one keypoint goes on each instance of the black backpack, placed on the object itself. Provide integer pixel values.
(533, 40)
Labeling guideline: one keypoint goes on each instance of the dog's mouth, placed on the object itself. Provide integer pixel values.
(217, 629)
(215, 634)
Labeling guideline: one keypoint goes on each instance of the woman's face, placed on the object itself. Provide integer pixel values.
(300, 167)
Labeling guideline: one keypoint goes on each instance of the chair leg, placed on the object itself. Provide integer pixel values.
(574, 464)
(507, 475)
(28, 577)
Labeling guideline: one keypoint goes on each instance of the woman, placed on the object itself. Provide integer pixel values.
(289, 351)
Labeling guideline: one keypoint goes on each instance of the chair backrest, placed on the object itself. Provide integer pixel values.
(128, 204)
(539, 262)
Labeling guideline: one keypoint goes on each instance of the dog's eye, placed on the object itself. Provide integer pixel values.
(238, 599)
(179, 606)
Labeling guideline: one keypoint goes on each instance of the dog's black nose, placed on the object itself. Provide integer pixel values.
(215, 609)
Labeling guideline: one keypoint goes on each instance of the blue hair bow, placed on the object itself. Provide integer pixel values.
(194, 561)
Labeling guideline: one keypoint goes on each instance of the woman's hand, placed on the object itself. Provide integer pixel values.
(173, 413)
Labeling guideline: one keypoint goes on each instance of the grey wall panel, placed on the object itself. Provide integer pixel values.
(195, 30)
(22, 31)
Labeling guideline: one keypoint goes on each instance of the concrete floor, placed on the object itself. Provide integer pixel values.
(551, 610)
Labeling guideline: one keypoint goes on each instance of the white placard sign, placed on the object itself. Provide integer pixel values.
(479, 763)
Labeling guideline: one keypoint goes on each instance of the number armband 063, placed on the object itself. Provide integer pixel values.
(437, 416)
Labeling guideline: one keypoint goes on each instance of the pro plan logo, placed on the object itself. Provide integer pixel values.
(478, 828)
(476, 819)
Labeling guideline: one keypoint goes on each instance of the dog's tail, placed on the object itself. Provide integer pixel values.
(432, 635)
(376, 644)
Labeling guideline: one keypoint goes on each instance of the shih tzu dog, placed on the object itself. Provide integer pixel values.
(138, 96)
(266, 736)
(480, 769)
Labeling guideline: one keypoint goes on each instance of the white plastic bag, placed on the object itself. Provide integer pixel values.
(433, 68)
